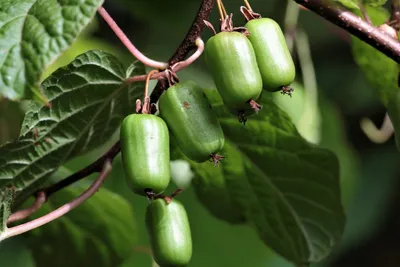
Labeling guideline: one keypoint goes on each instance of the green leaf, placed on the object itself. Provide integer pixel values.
(33, 34)
(6, 199)
(375, 2)
(350, 4)
(101, 232)
(380, 70)
(89, 101)
(276, 182)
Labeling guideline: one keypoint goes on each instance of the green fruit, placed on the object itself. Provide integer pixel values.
(188, 114)
(273, 56)
(232, 63)
(145, 153)
(169, 231)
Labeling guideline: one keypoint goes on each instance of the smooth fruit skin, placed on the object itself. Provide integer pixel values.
(273, 56)
(190, 119)
(145, 153)
(169, 232)
(232, 63)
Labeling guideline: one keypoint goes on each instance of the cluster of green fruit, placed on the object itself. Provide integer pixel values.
(241, 66)
(186, 113)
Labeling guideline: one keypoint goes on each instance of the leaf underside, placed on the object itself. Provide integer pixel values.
(89, 100)
(101, 232)
(274, 181)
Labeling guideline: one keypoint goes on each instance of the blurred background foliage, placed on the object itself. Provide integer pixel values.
(369, 172)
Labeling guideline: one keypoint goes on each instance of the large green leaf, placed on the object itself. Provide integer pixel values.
(101, 232)
(6, 199)
(89, 101)
(33, 33)
(380, 70)
(272, 179)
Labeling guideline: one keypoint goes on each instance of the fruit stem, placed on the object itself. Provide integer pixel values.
(248, 5)
(20, 229)
(146, 103)
(128, 44)
(25, 213)
(222, 10)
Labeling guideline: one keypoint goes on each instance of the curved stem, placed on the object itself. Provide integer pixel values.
(376, 135)
(146, 103)
(128, 44)
(183, 64)
(176, 67)
(25, 213)
(146, 87)
(356, 26)
(20, 229)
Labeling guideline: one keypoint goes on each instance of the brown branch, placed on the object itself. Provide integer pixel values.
(355, 25)
(187, 45)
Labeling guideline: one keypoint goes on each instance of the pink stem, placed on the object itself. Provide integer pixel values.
(25, 213)
(20, 229)
(183, 64)
(128, 44)
(177, 67)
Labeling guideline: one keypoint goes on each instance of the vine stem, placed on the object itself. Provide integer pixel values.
(128, 44)
(176, 67)
(20, 229)
(355, 25)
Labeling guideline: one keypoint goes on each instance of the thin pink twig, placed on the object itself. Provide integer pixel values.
(128, 44)
(25, 213)
(176, 67)
(183, 64)
(20, 229)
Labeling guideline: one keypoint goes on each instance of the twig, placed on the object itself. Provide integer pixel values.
(356, 26)
(92, 168)
(20, 229)
(188, 43)
(25, 213)
(128, 44)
